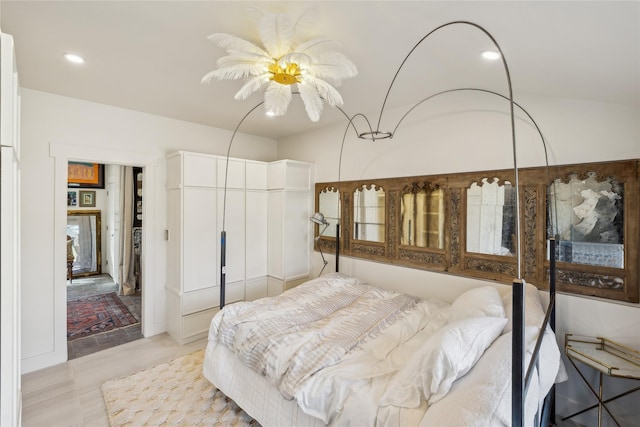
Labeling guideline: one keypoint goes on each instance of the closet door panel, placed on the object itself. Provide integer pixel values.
(256, 173)
(235, 229)
(256, 252)
(235, 177)
(200, 238)
(275, 259)
(199, 170)
(174, 247)
(296, 234)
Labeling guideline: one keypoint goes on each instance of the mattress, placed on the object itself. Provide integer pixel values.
(252, 392)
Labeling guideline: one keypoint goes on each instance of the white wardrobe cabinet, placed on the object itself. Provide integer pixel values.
(192, 291)
(256, 238)
(289, 184)
(266, 218)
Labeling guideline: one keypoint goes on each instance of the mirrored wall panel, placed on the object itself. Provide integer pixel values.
(329, 206)
(422, 216)
(466, 224)
(84, 242)
(369, 213)
(491, 221)
(589, 220)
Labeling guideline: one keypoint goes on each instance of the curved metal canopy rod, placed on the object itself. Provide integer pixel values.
(518, 386)
(378, 134)
(554, 222)
(351, 124)
(512, 116)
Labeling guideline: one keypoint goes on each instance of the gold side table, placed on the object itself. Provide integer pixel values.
(608, 358)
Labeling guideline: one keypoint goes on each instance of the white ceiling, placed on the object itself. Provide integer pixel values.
(150, 56)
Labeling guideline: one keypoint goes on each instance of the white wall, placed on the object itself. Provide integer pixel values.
(10, 357)
(50, 120)
(442, 139)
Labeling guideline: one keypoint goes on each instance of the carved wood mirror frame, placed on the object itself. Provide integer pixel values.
(605, 282)
(96, 241)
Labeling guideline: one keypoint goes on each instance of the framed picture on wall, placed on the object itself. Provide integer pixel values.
(87, 199)
(85, 175)
(137, 196)
(72, 198)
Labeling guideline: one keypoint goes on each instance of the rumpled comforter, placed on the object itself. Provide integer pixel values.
(335, 344)
(311, 327)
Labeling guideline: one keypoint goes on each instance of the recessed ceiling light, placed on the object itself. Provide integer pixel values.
(76, 59)
(270, 114)
(491, 54)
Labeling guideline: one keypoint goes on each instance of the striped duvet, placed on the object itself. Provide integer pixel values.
(311, 327)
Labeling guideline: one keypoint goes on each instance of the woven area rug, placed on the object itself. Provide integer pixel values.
(171, 394)
(96, 313)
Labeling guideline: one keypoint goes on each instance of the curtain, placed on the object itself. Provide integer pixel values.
(127, 255)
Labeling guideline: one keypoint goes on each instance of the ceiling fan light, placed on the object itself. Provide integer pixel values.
(282, 62)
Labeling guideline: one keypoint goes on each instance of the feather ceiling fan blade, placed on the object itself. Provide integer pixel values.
(276, 31)
(229, 73)
(334, 72)
(253, 85)
(277, 98)
(236, 56)
(330, 95)
(317, 47)
(295, 57)
(230, 42)
(312, 101)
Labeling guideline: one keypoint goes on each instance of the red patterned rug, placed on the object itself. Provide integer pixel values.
(95, 314)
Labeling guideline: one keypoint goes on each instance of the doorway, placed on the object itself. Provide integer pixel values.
(104, 251)
(153, 313)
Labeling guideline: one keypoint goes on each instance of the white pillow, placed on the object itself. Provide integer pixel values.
(534, 313)
(448, 355)
(483, 397)
(477, 302)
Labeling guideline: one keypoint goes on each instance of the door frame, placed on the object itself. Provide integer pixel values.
(62, 154)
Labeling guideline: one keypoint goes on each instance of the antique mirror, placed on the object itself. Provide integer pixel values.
(422, 216)
(491, 218)
(329, 206)
(466, 224)
(84, 237)
(369, 213)
(589, 216)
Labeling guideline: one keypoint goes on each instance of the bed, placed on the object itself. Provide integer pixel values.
(338, 351)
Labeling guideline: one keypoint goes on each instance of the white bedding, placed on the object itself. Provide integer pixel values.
(416, 358)
(290, 338)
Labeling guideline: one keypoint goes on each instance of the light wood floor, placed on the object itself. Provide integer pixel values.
(69, 394)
